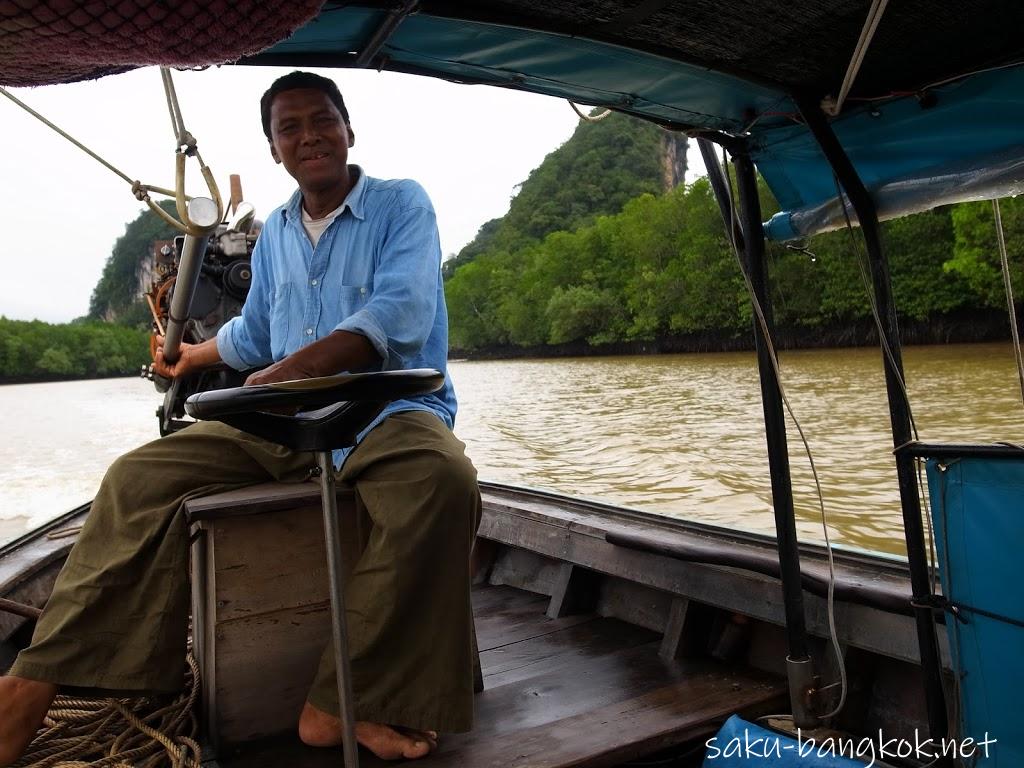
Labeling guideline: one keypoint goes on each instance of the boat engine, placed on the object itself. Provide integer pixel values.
(225, 274)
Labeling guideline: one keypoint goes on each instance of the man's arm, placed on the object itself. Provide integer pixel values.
(339, 351)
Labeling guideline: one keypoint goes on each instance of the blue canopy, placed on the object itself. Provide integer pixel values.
(960, 140)
(933, 116)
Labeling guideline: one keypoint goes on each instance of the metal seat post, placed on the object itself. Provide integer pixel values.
(339, 625)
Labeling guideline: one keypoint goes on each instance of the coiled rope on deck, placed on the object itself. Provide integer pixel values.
(119, 733)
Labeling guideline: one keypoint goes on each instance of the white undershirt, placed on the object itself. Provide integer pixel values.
(315, 227)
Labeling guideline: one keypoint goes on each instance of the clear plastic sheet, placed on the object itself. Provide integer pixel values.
(994, 176)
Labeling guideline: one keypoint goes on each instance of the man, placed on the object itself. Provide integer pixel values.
(346, 277)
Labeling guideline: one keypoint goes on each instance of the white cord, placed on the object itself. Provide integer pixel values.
(922, 487)
(588, 118)
(1005, 262)
(831, 107)
(830, 602)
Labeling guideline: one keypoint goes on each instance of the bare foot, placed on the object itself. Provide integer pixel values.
(23, 705)
(320, 729)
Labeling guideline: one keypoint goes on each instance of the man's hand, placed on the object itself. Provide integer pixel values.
(191, 358)
(179, 368)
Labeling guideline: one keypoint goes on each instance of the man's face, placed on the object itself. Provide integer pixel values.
(310, 138)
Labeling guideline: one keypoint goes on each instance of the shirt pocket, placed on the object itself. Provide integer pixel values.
(280, 325)
(352, 298)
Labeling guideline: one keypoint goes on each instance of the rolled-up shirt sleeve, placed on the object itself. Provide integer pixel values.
(399, 316)
(244, 341)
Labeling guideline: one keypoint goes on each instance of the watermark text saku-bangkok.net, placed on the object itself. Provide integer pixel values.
(868, 749)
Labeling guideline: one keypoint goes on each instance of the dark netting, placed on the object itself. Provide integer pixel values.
(62, 41)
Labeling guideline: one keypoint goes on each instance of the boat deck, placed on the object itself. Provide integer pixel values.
(581, 690)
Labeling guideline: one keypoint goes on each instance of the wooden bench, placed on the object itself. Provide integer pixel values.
(260, 604)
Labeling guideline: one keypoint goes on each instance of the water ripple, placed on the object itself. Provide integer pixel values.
(682, 435)
(679, 435)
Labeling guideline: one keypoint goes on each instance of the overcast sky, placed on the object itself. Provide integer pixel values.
(61, 211)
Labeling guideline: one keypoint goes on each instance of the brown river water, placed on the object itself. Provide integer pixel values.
(677, 435)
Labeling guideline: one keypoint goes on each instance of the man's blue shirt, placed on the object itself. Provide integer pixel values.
(376, 271)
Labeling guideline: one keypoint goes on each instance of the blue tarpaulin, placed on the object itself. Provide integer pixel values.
(954, 141)
(977, 505)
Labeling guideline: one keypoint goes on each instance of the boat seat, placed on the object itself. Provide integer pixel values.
(234, 625)
(328, 412)
(260, 604)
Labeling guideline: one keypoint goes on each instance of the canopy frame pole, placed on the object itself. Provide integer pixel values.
(392, 20)
(899, 412)
(748, 222)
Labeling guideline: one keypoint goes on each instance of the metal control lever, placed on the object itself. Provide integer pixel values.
(243, 218)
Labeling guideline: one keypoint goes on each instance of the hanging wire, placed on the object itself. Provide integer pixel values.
(772, 355)
(1005, 262)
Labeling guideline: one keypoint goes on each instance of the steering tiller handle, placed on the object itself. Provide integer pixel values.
(346, 404)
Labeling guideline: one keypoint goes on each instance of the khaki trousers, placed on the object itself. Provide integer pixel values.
(117, 620)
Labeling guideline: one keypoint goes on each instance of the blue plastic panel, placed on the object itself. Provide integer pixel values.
(968, 146)
(978, 510)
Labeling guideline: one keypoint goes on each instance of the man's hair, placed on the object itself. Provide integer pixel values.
(291, 82)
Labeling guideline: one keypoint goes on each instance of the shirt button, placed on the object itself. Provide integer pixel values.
(312, 282)
(362, 290)
(309, 331)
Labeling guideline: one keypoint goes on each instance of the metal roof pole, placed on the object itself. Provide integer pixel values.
(899, 413)
(799, 664)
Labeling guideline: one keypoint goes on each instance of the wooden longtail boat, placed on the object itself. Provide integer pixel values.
(608, 636)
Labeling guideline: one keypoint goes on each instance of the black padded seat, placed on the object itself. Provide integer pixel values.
(344, 406)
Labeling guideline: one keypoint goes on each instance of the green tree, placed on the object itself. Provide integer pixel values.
(582, 312)
(36, 349)
(919, 248)
(57, 360)
(976, 250)
(597, 171)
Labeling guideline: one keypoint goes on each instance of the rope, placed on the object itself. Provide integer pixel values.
(119, 733)
(187, 147)
(1005, 262)
(186, 142)
(80, 145)
(834, 107)
(588, 118)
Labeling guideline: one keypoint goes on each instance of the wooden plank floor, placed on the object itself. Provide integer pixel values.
(576, 691)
